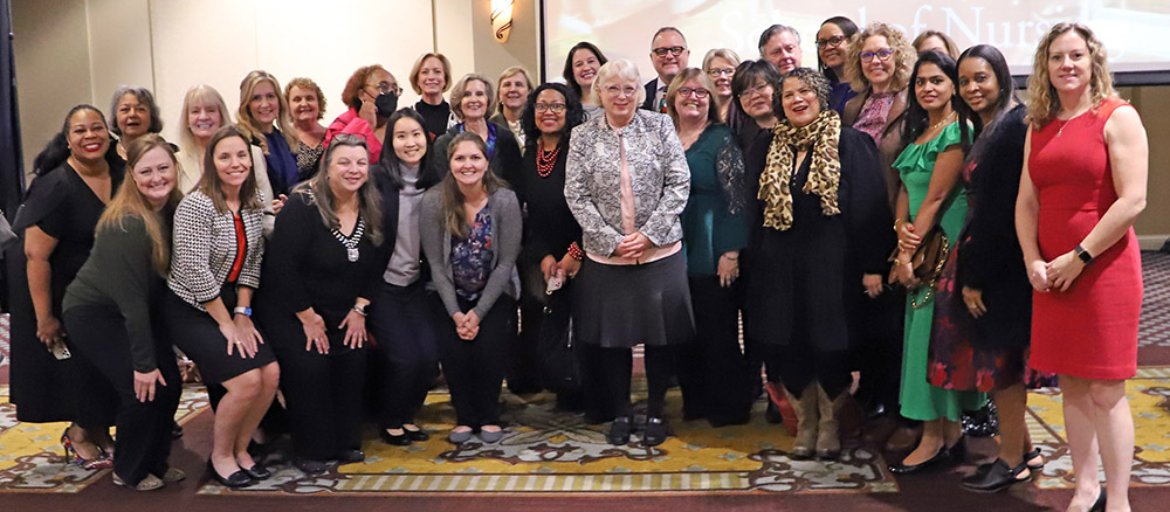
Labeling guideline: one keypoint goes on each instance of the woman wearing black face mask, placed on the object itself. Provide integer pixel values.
(372, 95)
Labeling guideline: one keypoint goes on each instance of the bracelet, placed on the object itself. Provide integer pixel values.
(575, 252)
(241, 310)
(898, 225)
(730, 258)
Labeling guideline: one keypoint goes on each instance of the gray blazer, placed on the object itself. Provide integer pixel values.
(658, 169)
(507, 227)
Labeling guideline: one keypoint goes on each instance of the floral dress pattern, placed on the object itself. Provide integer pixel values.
(471, 257)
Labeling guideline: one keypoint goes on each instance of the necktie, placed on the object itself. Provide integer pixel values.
(662, 99)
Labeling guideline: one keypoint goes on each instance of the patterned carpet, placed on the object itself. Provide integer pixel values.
(552, 453)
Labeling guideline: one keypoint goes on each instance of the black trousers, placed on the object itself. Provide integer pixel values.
(712, 371)
(475, 369)
(408, 351)
(615, 367)
(523, 360)
(323, 393)
(144, 428)
(876, 348)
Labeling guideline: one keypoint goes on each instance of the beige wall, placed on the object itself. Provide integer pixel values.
(80, 50)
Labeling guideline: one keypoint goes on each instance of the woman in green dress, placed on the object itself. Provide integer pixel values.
(938, 135)
(712, 371)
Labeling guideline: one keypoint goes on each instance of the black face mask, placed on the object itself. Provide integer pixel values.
(387, 103)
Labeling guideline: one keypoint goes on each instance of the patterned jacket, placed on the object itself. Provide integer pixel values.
(658, 170)
(204, 249)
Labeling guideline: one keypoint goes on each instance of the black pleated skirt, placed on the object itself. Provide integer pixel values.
(620, 306)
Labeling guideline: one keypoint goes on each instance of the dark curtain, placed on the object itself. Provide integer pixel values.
(11, 166)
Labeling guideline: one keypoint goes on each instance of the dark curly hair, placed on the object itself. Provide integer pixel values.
(812, 78)
(574, 113)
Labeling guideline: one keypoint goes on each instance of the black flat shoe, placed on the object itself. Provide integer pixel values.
(176, 430)
(958, 451)
(1099, 505)
(1032, 455)
(995, 477)
(901, 468)
(619, 431)
(351, 457)
(258, 472)
(417, 435)
(402, 439)
(236, 480)
(655, 433)
(311, 467)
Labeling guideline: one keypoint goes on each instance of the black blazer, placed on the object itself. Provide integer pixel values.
(651, 90)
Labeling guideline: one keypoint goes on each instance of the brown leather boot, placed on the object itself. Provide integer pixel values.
(828, 428)
(805, 407)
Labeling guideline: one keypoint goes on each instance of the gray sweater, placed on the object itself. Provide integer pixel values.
(436, 243)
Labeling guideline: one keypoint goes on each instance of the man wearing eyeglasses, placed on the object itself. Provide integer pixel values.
(780, 45)
(669, 53)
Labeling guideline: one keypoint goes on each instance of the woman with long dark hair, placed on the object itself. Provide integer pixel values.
(939, 135)
(401, 315)
(581, 65)
(983, 293)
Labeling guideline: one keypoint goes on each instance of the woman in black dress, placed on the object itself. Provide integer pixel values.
(430, 77)
(821, 202)
(319, 278)
(401, 318)
(108, 309)
(552, 249)
(77, 174)
(215, 269)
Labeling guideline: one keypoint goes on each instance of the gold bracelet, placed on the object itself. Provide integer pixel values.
(898, 225)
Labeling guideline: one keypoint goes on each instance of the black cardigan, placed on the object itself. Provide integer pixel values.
(990, 258)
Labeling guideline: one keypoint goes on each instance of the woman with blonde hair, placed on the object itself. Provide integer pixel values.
(1084, 183)
(430, 77)
(471, 100)
(513, 87)
(306, 105)
(108, 310)
(720, 64)
(204, 113)
(263, 118)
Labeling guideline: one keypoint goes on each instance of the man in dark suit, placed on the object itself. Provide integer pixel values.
(669, 53)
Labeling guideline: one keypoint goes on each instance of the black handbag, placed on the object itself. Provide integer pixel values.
(559, 367)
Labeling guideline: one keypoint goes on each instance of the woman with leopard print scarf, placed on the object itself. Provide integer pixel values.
(820, 214)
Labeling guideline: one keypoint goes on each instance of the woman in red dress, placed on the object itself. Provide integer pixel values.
(1084, 182)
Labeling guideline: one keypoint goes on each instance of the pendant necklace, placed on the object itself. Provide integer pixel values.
(351, 242)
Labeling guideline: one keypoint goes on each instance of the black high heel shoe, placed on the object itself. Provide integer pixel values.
(1099, 505)
(236, 480)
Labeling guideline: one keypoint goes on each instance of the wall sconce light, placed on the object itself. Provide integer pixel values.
(502, 19)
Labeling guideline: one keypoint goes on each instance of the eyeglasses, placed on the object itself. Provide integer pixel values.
(673, 50)
(831, 42)
(698, 93)
(615, 90)
(385, 87)
(883, 55)
(760, 88)
(718, 72)
(555, 108)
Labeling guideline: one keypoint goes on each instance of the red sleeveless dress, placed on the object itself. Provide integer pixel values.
(1091, 330)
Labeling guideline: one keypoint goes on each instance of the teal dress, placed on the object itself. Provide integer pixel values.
(920, 400)
(714, 221)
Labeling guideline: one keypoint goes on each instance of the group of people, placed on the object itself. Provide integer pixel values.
(893, 212)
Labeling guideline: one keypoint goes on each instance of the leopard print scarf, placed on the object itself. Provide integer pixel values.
(824, 176)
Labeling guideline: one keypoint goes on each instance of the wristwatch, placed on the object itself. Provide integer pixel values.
(360, 309)
(241, 310)
(1083, 255)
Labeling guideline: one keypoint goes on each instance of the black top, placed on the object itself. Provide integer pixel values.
(435, 117)
(120, 273)
(805, 275)
(64, 207)
(550, 226)
(505, 163)
(307, 266)
(989, 253)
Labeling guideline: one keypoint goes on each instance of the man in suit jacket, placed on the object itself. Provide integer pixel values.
(780, 45)
(669, 53)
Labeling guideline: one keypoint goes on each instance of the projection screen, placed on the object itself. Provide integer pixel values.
(1134, 31)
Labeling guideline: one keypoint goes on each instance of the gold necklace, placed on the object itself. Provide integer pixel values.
(944, 121)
